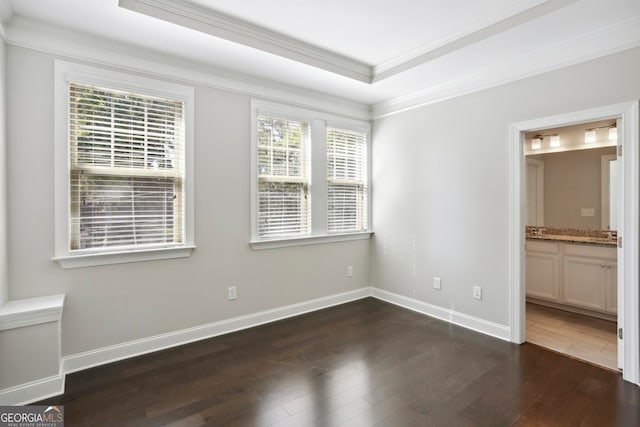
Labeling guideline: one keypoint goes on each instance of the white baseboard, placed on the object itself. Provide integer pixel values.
(33, 391)
(52, 386)
(101, 356)
(460, 319)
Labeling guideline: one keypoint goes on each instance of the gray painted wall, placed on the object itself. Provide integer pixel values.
(113, 304)
(440, 206)
(440, 178)
(28, 354)
(4, 286)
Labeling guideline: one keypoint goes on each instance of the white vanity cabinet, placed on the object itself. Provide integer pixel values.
(542, 270)
(589, 276)
(582, 276)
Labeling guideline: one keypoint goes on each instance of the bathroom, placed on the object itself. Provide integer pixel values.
(571, 241)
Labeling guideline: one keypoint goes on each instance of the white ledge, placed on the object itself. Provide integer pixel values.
(308, 240)
(106, 258)
(31, 311)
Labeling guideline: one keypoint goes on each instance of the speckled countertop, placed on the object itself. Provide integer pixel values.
(572, 235)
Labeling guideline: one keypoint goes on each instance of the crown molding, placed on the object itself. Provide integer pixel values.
(64, 43)
(6, 13)
(463, 39)
(3, 32)
(602, 42)
(85, 47)
(222, 25)
(218, 24)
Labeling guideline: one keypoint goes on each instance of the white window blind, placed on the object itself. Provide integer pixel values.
(284, 202)
(347, 181)
(126, 158)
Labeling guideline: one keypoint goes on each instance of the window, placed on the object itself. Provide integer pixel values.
(346, 181)
(300, 156)
(125, 151)
(284, 202)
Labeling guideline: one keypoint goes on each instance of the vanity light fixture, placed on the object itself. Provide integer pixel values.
(554, 141)
(536, 142)
(613, 133)
(589, 136)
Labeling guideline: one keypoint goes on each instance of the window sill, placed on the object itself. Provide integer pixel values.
(308, 240)
(93, 260)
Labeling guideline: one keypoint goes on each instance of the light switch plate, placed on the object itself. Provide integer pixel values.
(588, 212)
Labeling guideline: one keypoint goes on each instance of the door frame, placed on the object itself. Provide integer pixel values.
(628, 229)
(605, 182)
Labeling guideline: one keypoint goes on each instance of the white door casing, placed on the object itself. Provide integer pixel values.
(628, 223)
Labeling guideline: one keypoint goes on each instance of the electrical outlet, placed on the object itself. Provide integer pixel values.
(436, 283)
(232, 293)
(350, 271)
(477, 292)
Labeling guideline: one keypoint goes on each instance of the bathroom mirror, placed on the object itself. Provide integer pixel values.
(570, 180)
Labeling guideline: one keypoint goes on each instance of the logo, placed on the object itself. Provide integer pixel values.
(31, 416)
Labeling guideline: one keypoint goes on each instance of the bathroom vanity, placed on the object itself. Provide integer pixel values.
(573, 272)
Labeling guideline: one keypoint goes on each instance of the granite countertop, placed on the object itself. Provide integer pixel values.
(569, 235)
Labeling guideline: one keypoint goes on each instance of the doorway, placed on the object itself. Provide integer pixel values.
(628, 227)
(570, 256)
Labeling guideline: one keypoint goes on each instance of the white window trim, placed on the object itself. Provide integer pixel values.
(84, 74)
(309, 240)
(319, 122)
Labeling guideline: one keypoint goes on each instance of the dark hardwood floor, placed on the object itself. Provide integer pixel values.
(365, 363)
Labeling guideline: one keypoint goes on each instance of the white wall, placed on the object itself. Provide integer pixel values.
(440, 177)
(114, 304)
(4, 287)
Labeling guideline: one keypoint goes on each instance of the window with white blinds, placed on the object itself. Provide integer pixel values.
(284, 200)
(126, 170)
(299, 156)
(347, 180)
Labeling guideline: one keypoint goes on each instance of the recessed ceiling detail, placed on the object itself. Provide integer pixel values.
(225, 26)
(221, 25)
(370, 59)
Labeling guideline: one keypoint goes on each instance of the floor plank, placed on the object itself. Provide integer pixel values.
(583, 337)
(366, 363)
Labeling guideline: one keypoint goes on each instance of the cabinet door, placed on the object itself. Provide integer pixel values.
(584, 280)
(611, 287)
(542, 276)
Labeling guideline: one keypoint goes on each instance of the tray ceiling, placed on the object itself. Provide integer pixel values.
(390, 54)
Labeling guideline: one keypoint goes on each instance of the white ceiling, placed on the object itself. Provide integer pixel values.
(389, 53)
(372, 31)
